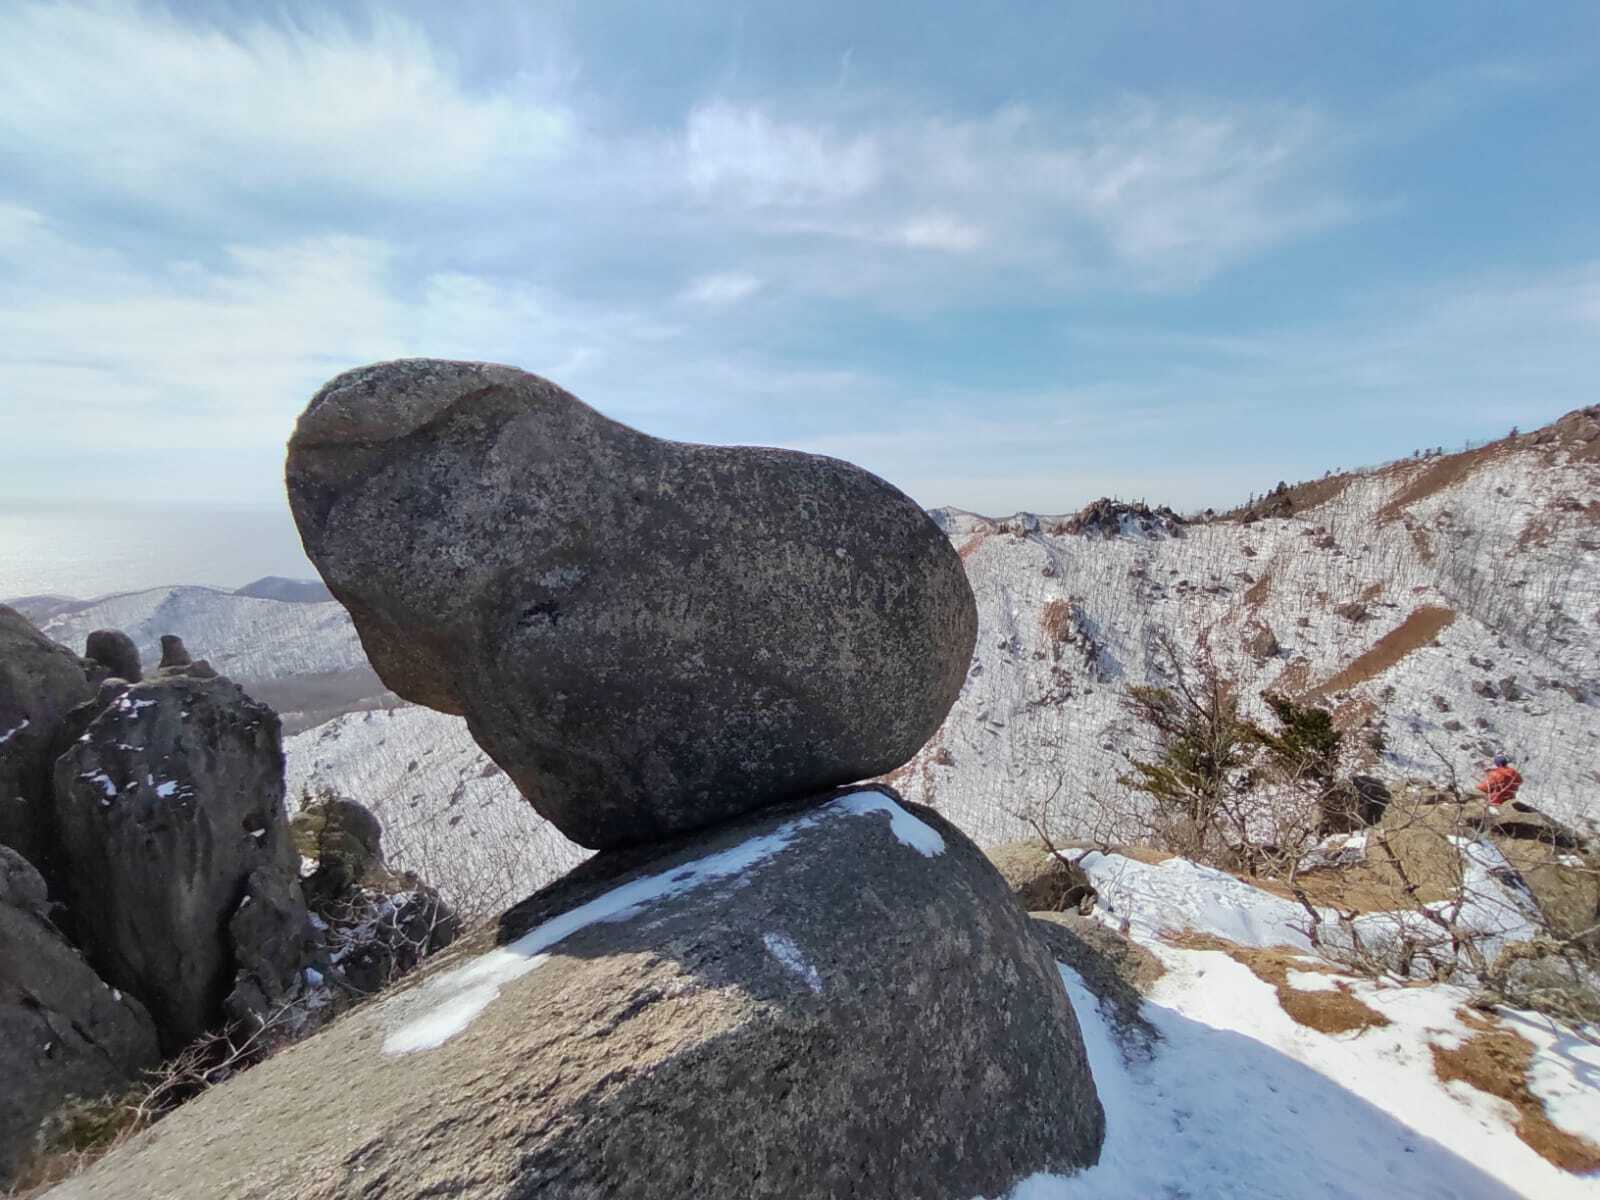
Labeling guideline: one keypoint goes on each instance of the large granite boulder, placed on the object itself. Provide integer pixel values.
(833, 999)
(63, 1031)
(166, 806)
(649, 636)
(40, 682)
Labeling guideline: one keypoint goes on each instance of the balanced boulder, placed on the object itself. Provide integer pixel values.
(40, 682)
(63, 1032)
(649, 636)
(167, 805)
(116, 652)
(173, 652)
(832, 999)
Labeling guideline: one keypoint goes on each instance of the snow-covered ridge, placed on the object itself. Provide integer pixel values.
(245, 637)
(1507, 539)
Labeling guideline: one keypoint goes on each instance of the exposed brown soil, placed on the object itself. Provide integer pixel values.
(969, 547)
(1056, 620)
(1256, 594)
(1366, 887)
(1436, 475)
(1335, 1011)
(1496, 1061)
(1416, 631)
(1423, 543)
(1294, 678)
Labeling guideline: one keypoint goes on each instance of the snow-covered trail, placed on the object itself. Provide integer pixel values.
(1240, 1101)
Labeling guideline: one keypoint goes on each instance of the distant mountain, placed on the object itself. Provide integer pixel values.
(1451, 602)
(242, 636)
(293, 591)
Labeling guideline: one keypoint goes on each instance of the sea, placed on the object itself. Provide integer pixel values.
(86, 550)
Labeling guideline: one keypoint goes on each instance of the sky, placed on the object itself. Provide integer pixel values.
(1008, 256)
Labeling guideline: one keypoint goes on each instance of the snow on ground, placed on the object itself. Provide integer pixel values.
(1147, 900)
(1240, 1101)
(447, 1004)
(1509, 548)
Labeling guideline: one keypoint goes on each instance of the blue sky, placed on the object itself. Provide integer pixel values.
(1006, 255)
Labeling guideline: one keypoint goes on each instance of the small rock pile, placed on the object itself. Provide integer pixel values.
(769, 983)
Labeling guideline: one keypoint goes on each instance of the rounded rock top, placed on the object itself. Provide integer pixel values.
(648, 636)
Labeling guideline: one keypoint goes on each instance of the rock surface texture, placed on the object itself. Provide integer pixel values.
(830, 999)
(63, 1032)
(40, 682)
(115, 651)
(649, 636)
(167, 805)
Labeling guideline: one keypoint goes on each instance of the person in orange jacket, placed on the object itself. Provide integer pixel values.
(1502, 781)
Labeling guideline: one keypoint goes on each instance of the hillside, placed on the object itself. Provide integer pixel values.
(1449, 603)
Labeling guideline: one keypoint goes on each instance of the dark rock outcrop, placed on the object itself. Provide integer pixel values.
(63, 1031)
(173, 652)
(168, 806)
(822, 1000)
(1042, 881)
(116, 652)
(40, 683)
(379, 923)
(649, 636)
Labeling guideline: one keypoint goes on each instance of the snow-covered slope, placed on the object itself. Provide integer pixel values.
(245, 637)
(448, 813)
(1454, 575)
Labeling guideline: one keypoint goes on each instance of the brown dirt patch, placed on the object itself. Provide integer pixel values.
(1423, 543)
(969, 547)
(1416, 631)
(1294, 678)
(1366, 887)
(1438, 474)
(1335, 1011)
(1256, 594)
(1496, 1061)
(1371, 592)
(1056, 620)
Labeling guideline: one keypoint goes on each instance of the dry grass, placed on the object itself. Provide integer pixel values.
(1330, 1012)
(1056, 620)
(969, 547)
(1416, 631)
(1496, 1060)
(1256, 594)
(1367, 887)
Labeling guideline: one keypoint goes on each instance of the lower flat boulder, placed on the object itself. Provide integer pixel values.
(827, 999)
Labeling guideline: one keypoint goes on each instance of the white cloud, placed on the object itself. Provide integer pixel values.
(746, 156)
(185, 116)
(942, 233)
(722, 289)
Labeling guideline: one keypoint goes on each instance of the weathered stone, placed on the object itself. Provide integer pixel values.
(1041, 881)
(40, 682)
(270, 937)
(166, 805)
(63, 1032)
(115, 651)
(173, 651)
(835, 1000)
(380, 922)
(649, 636)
